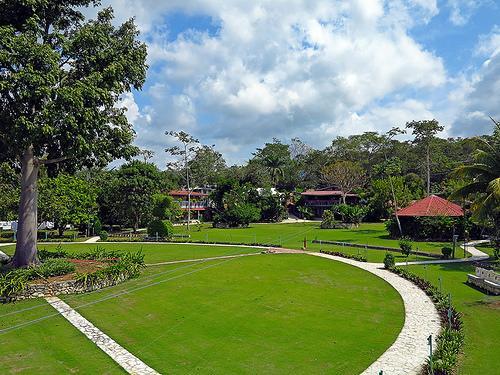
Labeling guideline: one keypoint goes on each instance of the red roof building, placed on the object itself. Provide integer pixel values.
(431, 206)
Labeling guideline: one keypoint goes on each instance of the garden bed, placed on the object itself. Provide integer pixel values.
(64, 273)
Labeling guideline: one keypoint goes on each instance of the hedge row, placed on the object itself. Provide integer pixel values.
(359, 258)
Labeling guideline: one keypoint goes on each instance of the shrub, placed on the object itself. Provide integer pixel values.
(103, 235)
(405, 244)
(328, 221)
(446, 251)
(350, 214)
(97, 226)
(359, 258)
(160, 228)
(53, 267)
(389, 261)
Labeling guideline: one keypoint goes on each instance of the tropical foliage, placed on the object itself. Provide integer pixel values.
(483, 189)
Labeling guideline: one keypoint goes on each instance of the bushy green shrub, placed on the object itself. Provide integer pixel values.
(53, 267)
(405, 244)
(97, 226)
(389, 261)
(160, 228)
(359, 258)
(103, 235)
(351, 214)
(446, 251)
(328, 221)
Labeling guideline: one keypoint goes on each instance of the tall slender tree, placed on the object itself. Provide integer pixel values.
(189, 146)
(60, 81)
(425, 132)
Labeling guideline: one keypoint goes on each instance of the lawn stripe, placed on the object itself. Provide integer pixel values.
(116, 352)
(202, 259)
(23, 324)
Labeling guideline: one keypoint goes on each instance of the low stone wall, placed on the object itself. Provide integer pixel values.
(375, 247)
(63, 287)
(487, 280)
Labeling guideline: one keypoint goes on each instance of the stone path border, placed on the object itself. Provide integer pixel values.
(126, 360)
(409, 352)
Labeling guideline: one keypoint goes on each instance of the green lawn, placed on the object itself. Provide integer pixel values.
(292, 235)
(481, 315)
(51, 346)
(264, 314)
(155, 252)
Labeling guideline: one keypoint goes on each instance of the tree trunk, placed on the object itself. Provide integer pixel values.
(428, 171)
(343, 198)
(26, 253)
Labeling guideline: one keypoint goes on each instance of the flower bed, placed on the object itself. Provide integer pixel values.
(64, 273)
(359, 258)
(451, 338)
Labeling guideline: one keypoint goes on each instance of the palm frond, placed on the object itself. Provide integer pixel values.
(472, 188)
(494, 188)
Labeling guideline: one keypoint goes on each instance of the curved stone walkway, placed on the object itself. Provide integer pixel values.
(409, 352)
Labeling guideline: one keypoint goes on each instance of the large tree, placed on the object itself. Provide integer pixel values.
(425, 133)
(67, 199)
(347, 176)
(60, 80)
(136, 184)
(206, 165)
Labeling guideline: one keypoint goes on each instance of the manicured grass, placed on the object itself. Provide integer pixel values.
(154, 252)
(50, 346)
(481, 316)
(262, 314)
(375, 256)
(292, 235)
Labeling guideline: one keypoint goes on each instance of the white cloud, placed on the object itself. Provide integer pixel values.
(462, 10)
(490, 44)
(282, 69)
(476, 98)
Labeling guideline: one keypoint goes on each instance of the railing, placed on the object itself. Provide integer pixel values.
(185, 204)
(321, 202)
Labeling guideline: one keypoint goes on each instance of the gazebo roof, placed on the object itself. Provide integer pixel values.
(432, 206)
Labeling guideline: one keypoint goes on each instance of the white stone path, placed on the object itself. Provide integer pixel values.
(409, 352)
(126, 360)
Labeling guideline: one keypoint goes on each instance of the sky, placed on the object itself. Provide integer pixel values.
(238, 73)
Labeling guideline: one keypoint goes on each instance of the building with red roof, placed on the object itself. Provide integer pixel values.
(198, 201)
(431, 206)
(431, 218)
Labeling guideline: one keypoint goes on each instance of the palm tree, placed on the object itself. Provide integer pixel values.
(276, 167)
(484, 188)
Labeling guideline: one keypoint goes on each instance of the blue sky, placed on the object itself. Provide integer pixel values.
(238, 73)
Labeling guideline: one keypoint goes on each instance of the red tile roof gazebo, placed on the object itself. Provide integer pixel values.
(432, 206)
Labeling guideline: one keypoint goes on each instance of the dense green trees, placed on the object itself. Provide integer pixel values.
(66, 200)
(483, 187)
(60, 80)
